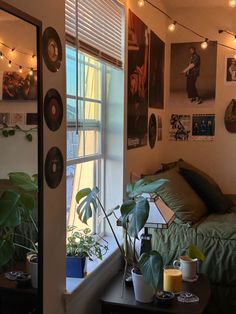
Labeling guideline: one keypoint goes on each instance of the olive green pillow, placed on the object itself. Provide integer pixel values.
(180, 196)
(206, 188)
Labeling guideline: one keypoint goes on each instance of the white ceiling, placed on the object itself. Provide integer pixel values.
(195, 3)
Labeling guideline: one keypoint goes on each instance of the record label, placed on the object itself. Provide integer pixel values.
(53, 168)
(52, 49)
(53, 109)
(152, 130)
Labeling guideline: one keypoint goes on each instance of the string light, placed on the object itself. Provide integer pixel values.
(204, 44)
(232, 3)
(31, 72)
(171, 27)
(12, 51)
(1, 56)
(9, 64)
(20, 69)
(234, 39)
(141, 3)
(32, 57)
(235, 56)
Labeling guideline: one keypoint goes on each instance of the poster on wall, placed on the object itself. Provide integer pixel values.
(156, 77)
(180, 127)
(203, 127)
(193, 75)
(138, 48)
(230, 70)
(18, 86)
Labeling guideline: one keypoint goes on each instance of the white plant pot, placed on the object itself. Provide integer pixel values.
(32, 268)
(142, 292)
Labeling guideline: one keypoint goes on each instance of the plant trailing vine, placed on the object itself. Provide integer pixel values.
(8, 131)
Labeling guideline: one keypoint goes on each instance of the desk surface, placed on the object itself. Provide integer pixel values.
(112, 299)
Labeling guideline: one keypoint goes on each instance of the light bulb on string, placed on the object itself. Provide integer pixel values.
(9, 64)
(234, 39)
(20, 69)
(12, 51)
(171, 27)
(232, 3)
(31, 72)
(204, 44)
(1, 55)
(141, 3)
(32, 57)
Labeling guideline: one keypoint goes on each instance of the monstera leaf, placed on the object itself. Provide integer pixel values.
(9, 213)
(86, 198)
(24, 181)
(144, 186)
(134, 214)
(151, 266)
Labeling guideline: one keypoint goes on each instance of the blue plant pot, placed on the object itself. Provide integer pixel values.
(75, 266)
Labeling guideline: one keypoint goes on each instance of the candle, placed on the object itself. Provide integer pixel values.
(172, 279)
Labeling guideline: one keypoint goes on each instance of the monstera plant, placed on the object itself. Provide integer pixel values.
(17, 203)
(134, 214)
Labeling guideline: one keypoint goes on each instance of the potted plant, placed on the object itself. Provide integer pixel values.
(17, 224)
(80, 246)
(134, 213)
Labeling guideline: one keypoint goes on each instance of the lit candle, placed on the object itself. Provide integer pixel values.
(172, 279)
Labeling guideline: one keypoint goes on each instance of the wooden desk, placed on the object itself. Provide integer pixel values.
(13, 299)
(112, 300)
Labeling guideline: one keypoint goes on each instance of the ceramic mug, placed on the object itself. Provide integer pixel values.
(188, 267)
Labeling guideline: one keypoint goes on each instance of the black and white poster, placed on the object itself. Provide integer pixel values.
(180, 127)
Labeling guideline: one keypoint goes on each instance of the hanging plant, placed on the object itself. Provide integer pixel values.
(8, 131)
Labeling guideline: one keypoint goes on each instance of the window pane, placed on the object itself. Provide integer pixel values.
(70, 71)
(78, 177)
(92, 142)
(92, 81)
(74, 144)
(71, 110)
(93, 112)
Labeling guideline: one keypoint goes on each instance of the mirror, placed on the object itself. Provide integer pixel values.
(20, 162)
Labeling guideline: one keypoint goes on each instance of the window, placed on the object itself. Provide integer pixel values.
(85, 120)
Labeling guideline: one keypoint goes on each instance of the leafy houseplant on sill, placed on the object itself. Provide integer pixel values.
(18, 229)
(134, 214)
(80, 246)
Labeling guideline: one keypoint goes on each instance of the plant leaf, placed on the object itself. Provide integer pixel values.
(9, 202)
(144, 186)
(195, 252)
(6, 250)
(151, 266)
(28, 202)
(23, 181)
(29, 137)
(86, 198)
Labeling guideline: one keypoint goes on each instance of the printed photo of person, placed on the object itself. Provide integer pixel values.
(138, 41)
(230, 70)
(193, 75)
(203, 127)
(156, 77)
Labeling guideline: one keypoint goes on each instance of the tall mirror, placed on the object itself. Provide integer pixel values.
(20, 162)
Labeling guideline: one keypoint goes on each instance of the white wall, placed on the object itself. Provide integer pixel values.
(51, 13)
(218, 157)
(144, 159)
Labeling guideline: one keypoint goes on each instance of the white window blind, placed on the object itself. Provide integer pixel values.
(95, 26)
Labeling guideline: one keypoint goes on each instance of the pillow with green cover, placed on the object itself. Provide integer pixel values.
(206, 188)
(180, 196)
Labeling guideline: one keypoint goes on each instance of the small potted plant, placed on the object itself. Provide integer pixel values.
(80, 246)
(134, 214)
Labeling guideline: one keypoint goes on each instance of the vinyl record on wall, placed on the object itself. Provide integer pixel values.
(52, 49)
(152, 130)
(230, 117)
(53, 109)
(53, 167)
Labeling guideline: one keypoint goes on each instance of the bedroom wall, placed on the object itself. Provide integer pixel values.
(217, 157)
(144, 159)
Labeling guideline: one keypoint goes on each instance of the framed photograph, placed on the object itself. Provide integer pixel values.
(203, 127)
(18, 86)
(4, 118)
(230, 71)
(17, 118)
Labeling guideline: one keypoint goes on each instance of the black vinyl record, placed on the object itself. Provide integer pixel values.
(52, 49)
(53, 109)
(53, 168)
(152, 130)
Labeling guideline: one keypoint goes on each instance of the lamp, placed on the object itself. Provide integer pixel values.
(160, 217)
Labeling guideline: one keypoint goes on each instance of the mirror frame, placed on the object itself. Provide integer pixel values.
(38, 27)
